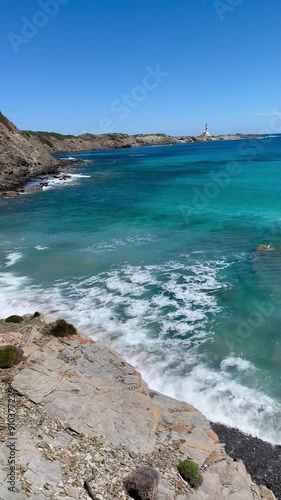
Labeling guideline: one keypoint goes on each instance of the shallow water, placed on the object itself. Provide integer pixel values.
(153, 251)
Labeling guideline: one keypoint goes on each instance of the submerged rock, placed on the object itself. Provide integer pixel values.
(264, 248)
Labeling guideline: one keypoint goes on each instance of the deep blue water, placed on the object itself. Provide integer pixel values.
(154, 251)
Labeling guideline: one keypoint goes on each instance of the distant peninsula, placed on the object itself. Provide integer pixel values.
(25, 154)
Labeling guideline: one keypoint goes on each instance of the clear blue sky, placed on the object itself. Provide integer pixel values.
(73, 74)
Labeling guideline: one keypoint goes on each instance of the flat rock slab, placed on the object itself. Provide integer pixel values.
(92, 391)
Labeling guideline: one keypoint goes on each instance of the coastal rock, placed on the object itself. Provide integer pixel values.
(20, 157)
(83, 411)
(27, 154)
(59, 143)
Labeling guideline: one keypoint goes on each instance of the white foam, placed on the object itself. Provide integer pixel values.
(236, 363)
(222, 399)
(79, 176)
(54, 182)
(66, 158)
(39, 247)
(113, 244)
(156, 317)
(12, 258)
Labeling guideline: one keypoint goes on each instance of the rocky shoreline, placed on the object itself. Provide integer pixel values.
(23, 158)
(59, 143)
(43, 181)
(81, 412)
(262, 460)
(26, 154)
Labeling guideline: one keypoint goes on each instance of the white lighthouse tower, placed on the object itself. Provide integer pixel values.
(206, 131)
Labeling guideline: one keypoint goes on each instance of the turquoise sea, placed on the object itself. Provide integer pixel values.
(154, 252)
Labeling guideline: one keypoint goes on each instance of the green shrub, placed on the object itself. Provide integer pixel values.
(190, 472)
(61, 329)
(36, 314)
(14, 319)
(10, 356)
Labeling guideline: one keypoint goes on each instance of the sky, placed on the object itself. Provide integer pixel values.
(141, 66)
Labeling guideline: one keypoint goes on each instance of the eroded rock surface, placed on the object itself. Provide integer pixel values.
(82, 410)
(21, 157)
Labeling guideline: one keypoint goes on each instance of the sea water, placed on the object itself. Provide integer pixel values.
(154, 251)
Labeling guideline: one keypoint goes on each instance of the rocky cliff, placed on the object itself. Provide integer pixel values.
(59, 143)
(21, 156)
(78, 411)
(25, 154)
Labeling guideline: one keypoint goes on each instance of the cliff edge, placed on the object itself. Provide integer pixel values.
(81, 411)
(26, 154)
(59, 143)
(21, 156)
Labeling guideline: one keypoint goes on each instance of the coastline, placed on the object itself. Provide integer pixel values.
(238, 444)
(88, 408)
(53, 171)
(45, 179)
(262, 460)
(27, 155)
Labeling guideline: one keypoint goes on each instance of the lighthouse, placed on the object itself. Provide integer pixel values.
(206, 131)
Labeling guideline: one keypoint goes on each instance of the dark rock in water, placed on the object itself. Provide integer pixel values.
(60, 328)
(10, 356)
(142, 484)
(262, 460)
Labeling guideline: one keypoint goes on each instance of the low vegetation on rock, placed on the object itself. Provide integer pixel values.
(14, 319)
(142, 484)
(36, 314)
(190, 472)
(10, 356)
(60, 328)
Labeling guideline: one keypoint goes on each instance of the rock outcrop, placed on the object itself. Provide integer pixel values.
(59, 143)
(21, 156)
(26, 154)
(83, 412)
